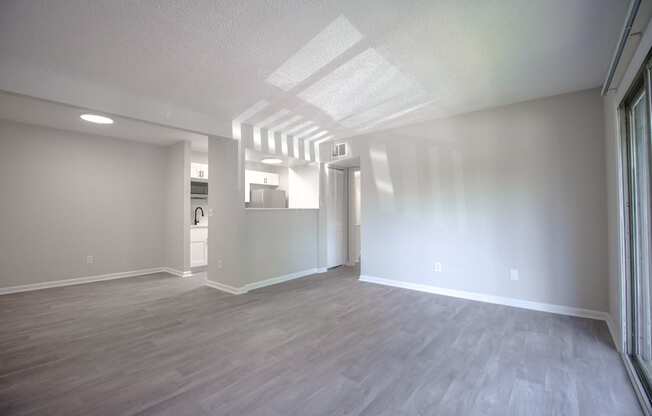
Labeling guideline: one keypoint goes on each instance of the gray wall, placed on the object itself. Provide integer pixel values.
(252, 245)
(279, 242)
(521, 186)
(226, 211)
(177, 207)
(199, 157)
(68, 195)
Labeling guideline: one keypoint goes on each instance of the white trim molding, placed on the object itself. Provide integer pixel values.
(176, 272)
(481, 297)
(260, 284)
(79, 280)
(279, 279)
(224, 288)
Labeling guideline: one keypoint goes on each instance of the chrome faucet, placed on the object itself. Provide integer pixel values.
(202, 214)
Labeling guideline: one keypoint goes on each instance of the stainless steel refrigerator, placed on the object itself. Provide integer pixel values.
(267, 198)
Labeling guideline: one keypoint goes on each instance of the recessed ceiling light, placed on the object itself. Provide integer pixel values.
(95, 118)
(272, 161)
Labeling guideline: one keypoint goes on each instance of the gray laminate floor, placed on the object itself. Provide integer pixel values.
(322, 345)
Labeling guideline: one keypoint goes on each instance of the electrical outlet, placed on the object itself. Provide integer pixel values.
(89, 259)
(513, 274)
(437, 267)
(219, 264)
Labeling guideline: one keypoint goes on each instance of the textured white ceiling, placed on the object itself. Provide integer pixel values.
(342, 66)
(63, 117)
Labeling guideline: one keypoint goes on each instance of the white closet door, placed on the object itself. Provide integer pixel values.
(336, 218)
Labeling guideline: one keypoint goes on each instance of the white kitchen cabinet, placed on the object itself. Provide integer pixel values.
(199, 170)
(259, 178)
(198, 246)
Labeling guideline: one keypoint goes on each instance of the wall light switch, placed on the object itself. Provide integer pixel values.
(89, 259)
(513, 274)
(438, 267)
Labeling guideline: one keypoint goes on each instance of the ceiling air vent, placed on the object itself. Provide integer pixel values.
(339, 150)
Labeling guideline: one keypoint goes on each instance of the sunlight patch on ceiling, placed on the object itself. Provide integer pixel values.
(236, 124)
(356, 92)
(274, 117)
(298, 128)
(397, 115)
(330, 43)
(305, 134)
(286, 123)
(365, 81)
(315, 136)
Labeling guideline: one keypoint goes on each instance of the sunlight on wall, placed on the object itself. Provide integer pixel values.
(330, 43)
(258, 141)
(460, 194)
(295, 151)
(317, 146)
(382, 175)
(284, 144)
(271, 141)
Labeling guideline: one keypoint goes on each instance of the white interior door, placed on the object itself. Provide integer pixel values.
(354, 215)
(337, 218)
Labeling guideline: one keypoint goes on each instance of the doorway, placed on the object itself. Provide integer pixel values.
(344, 205)
(199, 212)
(354, 208)
(337, 245)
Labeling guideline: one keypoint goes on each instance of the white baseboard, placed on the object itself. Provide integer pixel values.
(79, 280)
(262, 283)
(614, 334)
(321, 269)
(224, 288)
(499, 300)
(176, 272)
(279, 279)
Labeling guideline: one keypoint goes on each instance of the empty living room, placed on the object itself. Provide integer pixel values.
(329, 207)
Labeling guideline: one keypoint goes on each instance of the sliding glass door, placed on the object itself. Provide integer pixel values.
(636, 117)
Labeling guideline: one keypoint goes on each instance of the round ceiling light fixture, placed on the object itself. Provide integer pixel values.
(272, 161)
(95, 118)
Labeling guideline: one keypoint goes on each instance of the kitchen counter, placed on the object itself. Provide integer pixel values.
(199, 226)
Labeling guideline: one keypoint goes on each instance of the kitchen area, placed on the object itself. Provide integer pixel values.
(271, 182)
(199, 212)
(277, 182)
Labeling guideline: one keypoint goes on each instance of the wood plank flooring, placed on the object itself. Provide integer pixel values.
(322, 345)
